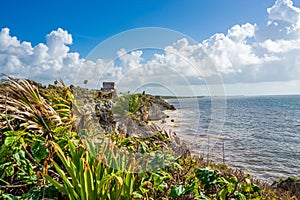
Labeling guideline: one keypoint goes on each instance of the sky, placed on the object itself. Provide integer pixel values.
(248, 47)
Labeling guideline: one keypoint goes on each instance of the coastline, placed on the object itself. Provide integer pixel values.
(267, 147)
(126, 128)
(172, 124)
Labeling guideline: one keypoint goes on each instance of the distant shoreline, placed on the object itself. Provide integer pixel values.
(226, 96)
(181, 97)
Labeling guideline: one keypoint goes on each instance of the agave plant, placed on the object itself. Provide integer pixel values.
(84, 176)
(22, 107)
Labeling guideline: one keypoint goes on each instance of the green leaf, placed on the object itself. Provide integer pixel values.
(157, 179)
(125, 141)
(177, 191)
(33, 194)
(129, 183)
(67, 184)
(247, 188)
(177, 165)
(39, 151)
(10, 140)
(2, 166)
(17, 158)
(223, 194)
(134, 104)
(120, 180)
(22, 154)
(144, 147)
(58, 186)
(60, 129)
(9, 170)
(163, 186)
(14, 133)
(207, 176)
(240, 195)
(202, 196)
(9, 197)
(136, 195)
(192, 187)
(144, 187)
(230, 187)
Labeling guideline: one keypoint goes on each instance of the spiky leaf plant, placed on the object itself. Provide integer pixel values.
(22, 107)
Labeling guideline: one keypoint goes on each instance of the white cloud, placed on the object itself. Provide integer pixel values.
(239, 33)
(56, 42)
(230, 52)
(284, 22)
(7, 40)
(43, 62)
(247, 53)
(130, 61)
(280, 46)
(283, 10)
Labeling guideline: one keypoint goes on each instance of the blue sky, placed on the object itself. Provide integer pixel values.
(91, 22)
(254, 44)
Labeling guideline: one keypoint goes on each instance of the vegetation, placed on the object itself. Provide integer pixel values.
(44, 153)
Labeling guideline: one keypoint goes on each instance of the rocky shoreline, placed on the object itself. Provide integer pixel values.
(171, 123)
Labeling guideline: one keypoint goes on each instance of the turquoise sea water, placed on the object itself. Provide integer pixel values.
(260, 135)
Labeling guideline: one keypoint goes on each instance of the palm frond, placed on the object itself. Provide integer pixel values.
(26, 108)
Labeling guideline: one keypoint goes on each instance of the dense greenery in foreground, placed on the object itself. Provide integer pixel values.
(44, 155)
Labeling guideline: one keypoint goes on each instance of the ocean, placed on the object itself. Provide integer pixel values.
(259, 135)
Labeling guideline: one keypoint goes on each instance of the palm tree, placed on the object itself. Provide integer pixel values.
(85, 82)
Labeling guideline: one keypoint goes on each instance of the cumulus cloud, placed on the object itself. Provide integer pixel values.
(231, 52)
(280, 46)
(42, 62)
(246, 53)
(283, 10)
(56, 42)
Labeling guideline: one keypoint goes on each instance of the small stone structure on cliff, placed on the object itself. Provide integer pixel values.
(108, 90)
